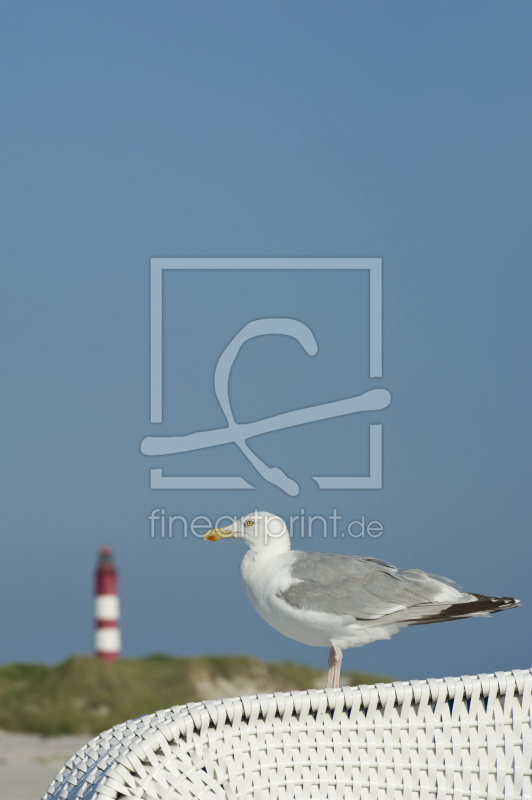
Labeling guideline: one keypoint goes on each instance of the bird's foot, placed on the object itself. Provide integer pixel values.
(335, 665)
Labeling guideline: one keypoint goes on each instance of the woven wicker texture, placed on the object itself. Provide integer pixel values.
(466, 737)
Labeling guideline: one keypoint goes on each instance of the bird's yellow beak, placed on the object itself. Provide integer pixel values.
(218, 533)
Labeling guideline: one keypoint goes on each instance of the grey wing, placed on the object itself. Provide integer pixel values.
(367, 589)
(359, 587)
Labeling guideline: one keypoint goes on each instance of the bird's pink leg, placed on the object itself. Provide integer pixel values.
(335, 665)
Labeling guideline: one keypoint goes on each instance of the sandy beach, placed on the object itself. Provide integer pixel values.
(28, 762)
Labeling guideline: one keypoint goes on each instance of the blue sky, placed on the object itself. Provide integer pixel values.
(133, 130)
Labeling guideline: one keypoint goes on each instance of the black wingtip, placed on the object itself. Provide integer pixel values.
(483, 605)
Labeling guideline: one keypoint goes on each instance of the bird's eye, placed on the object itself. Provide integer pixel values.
(249, 522)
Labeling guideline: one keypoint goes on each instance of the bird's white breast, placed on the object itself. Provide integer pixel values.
(264, 578)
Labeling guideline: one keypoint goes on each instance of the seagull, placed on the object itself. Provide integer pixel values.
(340, 601)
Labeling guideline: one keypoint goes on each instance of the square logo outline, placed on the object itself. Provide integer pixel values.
(157, 267)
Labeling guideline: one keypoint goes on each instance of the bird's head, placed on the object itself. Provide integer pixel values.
(258, 530)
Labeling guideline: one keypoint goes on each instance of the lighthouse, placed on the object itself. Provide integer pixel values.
(107, 641)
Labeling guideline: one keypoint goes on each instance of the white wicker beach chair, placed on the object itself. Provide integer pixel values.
(466, 737)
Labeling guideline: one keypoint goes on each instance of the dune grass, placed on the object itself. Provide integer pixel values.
(85, 695)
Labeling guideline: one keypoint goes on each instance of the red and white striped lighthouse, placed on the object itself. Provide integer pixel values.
(107, 641)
